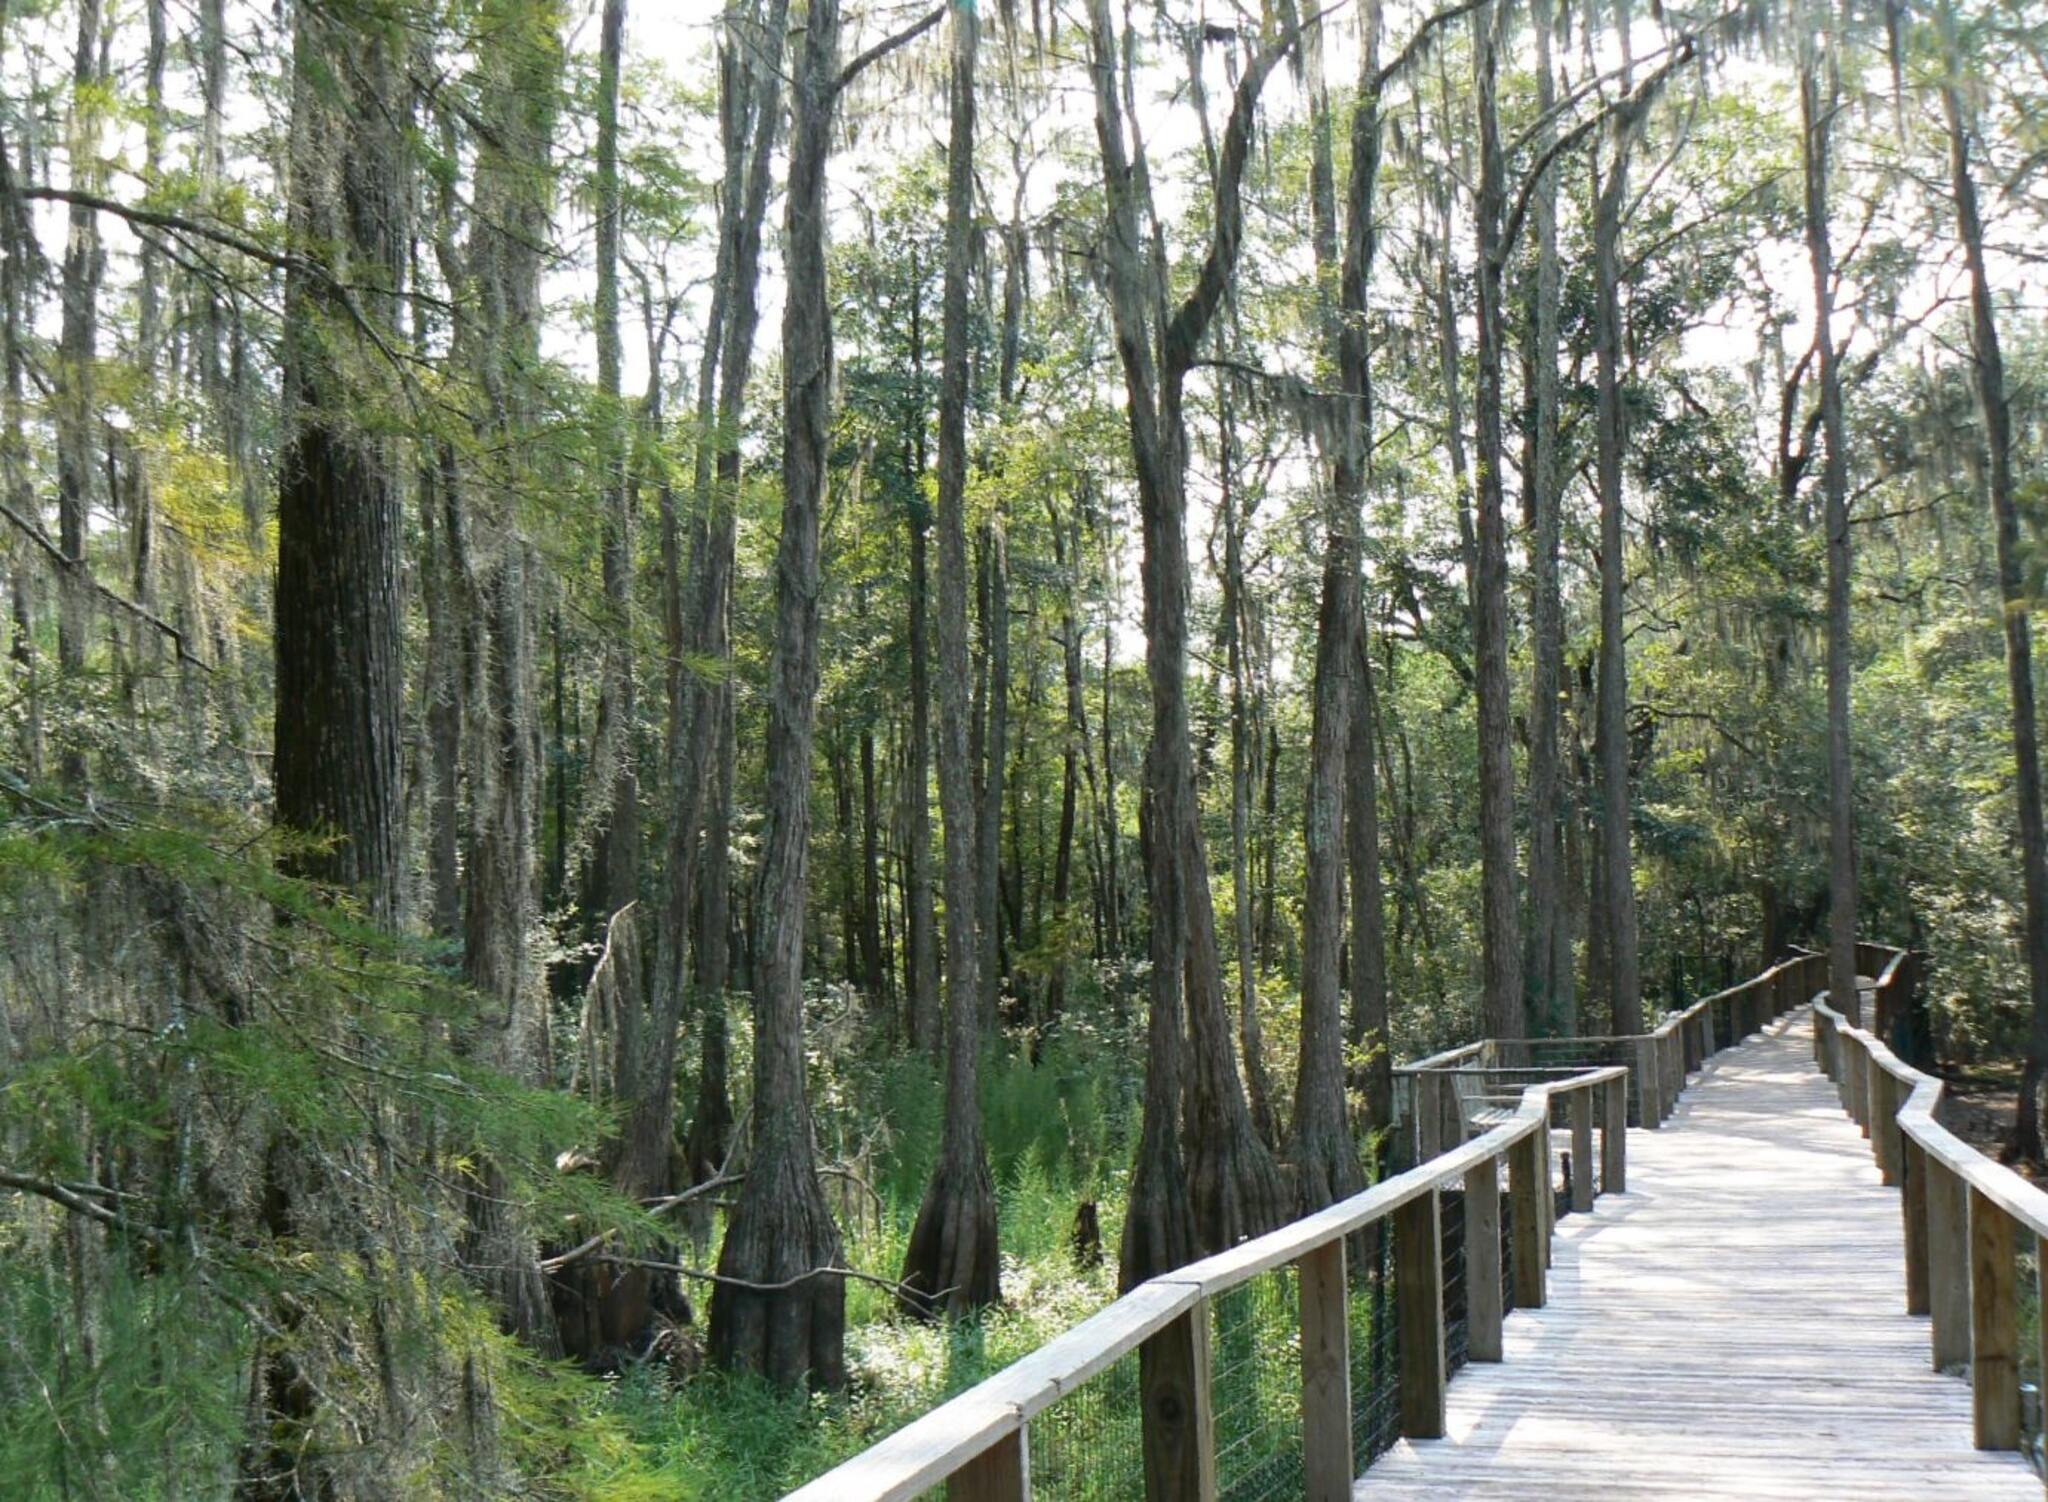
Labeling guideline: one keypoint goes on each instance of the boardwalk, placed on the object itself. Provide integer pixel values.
(1732, 1326)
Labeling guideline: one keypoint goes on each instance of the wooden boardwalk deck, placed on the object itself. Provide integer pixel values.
(1732, 1326)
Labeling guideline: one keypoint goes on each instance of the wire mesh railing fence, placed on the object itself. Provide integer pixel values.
(1090, 1446)
(1255, 1351)
(1375, 1350)
(1457, 1326)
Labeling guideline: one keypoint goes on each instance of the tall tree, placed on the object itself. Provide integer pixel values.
(779, 1307)
(1987, 370)
(336, 755)
(1818, 91)
(1624, 975)
(520, 62)
(1547, 972)
(701, 710)
(1230, 1187)
(950, 1261)
(1501, 1005)
(1324, 1157)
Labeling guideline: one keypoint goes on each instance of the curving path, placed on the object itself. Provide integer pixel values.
(1732, 1326)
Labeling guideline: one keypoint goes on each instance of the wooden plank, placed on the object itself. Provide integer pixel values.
(1614, 1139)
(1526, 1190)
(1582, 1150)
(1948, 1265)
(1178, 1423)
(1483, 1312)
(1001, 1473)
(1419, 1300)
(1325, 1374)
(1994, 1327)
(1648, 1093)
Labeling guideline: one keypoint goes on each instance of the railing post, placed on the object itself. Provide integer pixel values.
(1913, 1208)
(1857, 1097)
(1326, 1374)
(1673, 1071)
(1884, 1120)
(1429, 1116)
(1994, 1327)
(1419, 1293)
(1001, 1473)
(1526, 1188)
(1648, 1097)
(1452, 1133)
(1547, 1201)
(1179, 1422)
(1582, 1149)
(1948, 1264)
(1483, 1311)
(1614, 1138)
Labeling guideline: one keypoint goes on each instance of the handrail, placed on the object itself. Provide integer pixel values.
(977, 1446)
(983, 1427)
(1658, 1060)
(1963, 1215)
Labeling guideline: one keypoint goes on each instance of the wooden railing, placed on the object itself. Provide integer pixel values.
(1967, 1220)
(1434, 1095)
(977, 1444)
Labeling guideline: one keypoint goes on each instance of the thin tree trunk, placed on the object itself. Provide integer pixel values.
(923, 1009)
(950, 1264)
(1988, 369)
(1625, 987)
(1501, 957)
(1324, 1156)
(995, 751)
(1548, 967)
(1234, 1188)
(779, 1310)
(77, 347)
(1816, 116)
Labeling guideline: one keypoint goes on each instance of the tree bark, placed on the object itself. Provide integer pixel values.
(1233, 1187)
(1547, 971)
(1987, 367)
(336, 755)
(1816, 116)
(1501, 956)
(1625, 983)
(1325, 1158)
(989, 839)
(950, 1264)
(780, 1310)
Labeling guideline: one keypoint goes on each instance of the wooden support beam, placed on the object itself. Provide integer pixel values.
(1913, 1210)
(1526, 1189)
(1179, 1425)
(1419, 1295)
(1948, 1264)
(1887, 1093)
(1483, 1311)
(1648, 1095)
(1582, 1150)
(1001, 1473)
(1548, 1199)
(1614, 1138)
(1994, 1326)
(1429, 1115)
(1326, 1374)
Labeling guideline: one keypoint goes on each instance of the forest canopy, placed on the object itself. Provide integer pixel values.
(708, 712)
